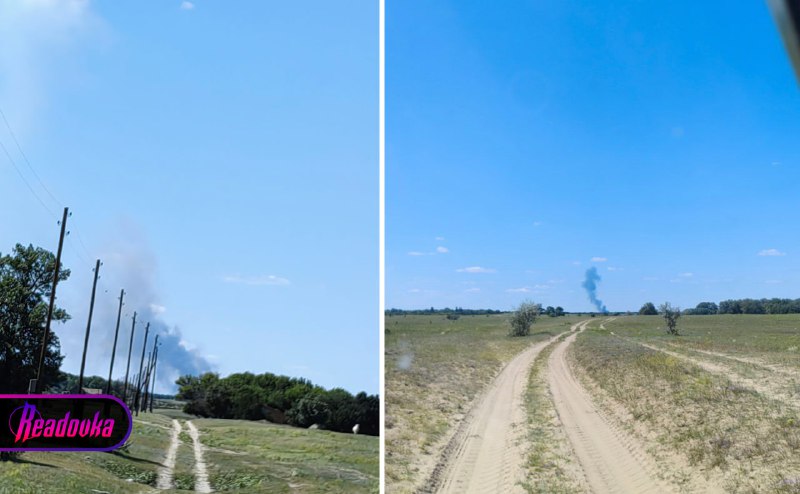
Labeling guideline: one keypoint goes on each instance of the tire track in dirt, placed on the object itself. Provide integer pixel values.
(611, 460)
(200, 474)
(764, 387)
(487, 452)
(167, 472)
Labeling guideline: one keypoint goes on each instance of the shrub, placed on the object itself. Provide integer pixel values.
(523, 318)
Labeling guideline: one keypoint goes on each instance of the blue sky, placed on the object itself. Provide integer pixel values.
(221, 159)
(530, 141)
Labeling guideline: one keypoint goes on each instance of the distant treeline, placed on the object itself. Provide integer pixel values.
(279, 399)
(446, 311)
(748, 306)
(68, 384)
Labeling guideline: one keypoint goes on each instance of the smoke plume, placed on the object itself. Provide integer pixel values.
(590, 284)
(130, 264)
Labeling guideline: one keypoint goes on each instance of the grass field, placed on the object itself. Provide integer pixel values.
(719, 397)
(435, 367)
(242, 457)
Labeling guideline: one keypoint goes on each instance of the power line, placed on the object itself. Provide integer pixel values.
(14, 164)
(14, 137)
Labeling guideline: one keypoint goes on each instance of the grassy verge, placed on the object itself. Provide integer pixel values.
(243, 457)
(550, 465)
(435, 368)
(254, 457)
(751, 441)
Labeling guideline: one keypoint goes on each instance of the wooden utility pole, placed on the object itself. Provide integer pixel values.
(153, 390)
(88, 326)
(141, 364)
(128, 369)
(150, 357)
(146, 383)
(38, 385)
(114, 348)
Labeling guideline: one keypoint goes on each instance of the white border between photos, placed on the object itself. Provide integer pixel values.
(382, 231)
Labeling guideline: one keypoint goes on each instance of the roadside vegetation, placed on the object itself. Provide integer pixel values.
(747, 440)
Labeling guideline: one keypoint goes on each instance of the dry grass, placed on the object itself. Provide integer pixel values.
(434, 370)
(550, 465)
(717, 426)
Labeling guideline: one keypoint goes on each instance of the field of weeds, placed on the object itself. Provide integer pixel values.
(241, 456)
(691, 405)
(435, 368)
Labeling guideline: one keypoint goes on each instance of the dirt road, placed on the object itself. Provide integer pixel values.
(611, 461)
(488, 451)
(167, 472)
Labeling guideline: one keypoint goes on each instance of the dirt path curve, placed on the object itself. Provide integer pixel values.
(488, 451)
(611, 461)
(167, 472)
(200, 474)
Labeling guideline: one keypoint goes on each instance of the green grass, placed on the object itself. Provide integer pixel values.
(435, 367)
(775, 339)
(749, 439)
(268, 458)
(260, 457)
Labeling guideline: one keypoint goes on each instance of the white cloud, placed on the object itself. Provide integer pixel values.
(256, 280)
(576, 263)
(472, 290)
(417, 253)
(771, 252)
(537, 223)
(523, 289)
(187, 5)
(442, 250)
(773, 282)
(599, 259)
(158, 309)
(414, 290)
(440, 239)
(476, 269)
(650, 278)
(686, 275)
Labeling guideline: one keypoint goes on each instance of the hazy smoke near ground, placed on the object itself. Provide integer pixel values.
(130, 264)
(590, 284)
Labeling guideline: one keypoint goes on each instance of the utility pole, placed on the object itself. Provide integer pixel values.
(114, 348)
(150, 357)
(88, 326)
(153, 391)
(146, 382)
(38, 385)
(141, 363)
(130, 348)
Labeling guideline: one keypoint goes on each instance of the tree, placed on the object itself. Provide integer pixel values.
(523, 318)
(559, 311)
(671, 315)
(26, 281)
(648, 309)
(550, 311)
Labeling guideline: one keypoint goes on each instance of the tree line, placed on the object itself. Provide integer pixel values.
(279, 399)
(736, 306)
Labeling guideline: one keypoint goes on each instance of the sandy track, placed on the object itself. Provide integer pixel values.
(488, 451)
(200, 474)
(167, 472)
(611, 461)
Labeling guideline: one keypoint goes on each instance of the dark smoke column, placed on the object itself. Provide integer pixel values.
(590, 284)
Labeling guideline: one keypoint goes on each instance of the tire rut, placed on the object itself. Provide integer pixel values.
(611, 460)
